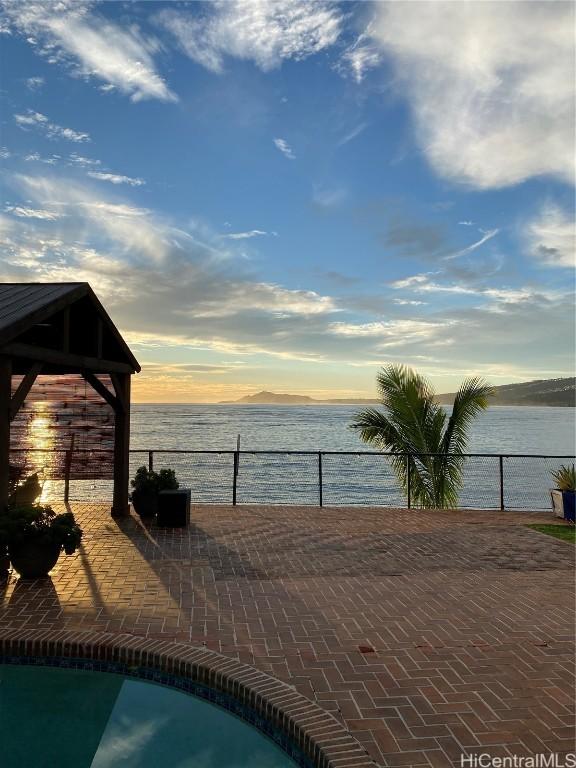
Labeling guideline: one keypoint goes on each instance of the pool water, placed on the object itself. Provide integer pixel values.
(74, 718)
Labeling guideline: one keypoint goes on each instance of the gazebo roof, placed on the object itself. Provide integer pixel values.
(24, 306)
(65, 375)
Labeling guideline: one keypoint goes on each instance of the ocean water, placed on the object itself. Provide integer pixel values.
(351, 479)
(502, 429)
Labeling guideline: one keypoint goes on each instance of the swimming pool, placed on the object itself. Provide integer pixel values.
(54, 717)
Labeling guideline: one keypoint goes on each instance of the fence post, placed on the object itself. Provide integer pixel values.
(67, 465)
(68, 469)
(320, 489)
(150, 461)
(501, 467)
(409, 481)
(235, 476)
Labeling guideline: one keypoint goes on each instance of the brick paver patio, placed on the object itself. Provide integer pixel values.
(428, 634)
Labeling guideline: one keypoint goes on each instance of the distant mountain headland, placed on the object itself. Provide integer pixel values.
(276, 398)
(557, 392)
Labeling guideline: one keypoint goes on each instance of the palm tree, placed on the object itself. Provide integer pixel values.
(414, 425)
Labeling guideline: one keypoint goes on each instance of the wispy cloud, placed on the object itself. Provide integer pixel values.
(81, 161)
(32, 213)
(364, 54)
(551, 236)
(34, 83)
(36, 157)
(328, 196)
(245, 235)
(70, 33)
(285, 148)
(395, 332)
(264, 32)
(487, 235)
(38, 121)
(487, 84)
(115, 178)
(423, 283)
(351, 135)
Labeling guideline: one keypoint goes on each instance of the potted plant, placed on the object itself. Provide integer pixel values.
(564, 495)
(35, 536)
(147, 484)
(20, 492)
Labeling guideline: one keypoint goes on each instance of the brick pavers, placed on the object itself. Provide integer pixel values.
(427, 634)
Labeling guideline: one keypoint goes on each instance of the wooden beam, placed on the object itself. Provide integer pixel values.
(99, 337)
(119, 389)
(102, 389)
(23, 388)
(65, 359)
(66, 330)
(5, 397)
(120, 506)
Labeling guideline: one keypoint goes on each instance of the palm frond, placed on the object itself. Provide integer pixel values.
(470, 400)
(417, 427)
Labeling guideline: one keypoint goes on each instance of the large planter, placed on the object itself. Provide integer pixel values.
(145, 504)
(35, 557)
(563, 504)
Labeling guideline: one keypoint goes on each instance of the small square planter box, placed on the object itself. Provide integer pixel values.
(173, 509)
(563, 504)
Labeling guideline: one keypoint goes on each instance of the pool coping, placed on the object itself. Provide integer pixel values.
(313, 730)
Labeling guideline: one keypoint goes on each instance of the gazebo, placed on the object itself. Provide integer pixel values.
(61, 353)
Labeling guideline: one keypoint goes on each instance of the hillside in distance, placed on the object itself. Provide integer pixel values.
(275, 398)
(558, 392)
(553, 392)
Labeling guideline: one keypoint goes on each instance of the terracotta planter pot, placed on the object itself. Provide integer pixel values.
(145, 504)
(34, 558)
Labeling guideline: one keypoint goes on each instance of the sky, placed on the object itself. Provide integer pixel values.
(289, 195)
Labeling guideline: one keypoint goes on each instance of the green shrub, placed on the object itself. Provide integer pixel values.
(565, 478)
(22, 522)
(150, 482)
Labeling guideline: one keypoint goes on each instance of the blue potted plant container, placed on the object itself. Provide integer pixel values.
(564, 495)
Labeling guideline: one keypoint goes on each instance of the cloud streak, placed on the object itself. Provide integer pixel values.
(283, 146)
(69, 33)
(31, 120)
(115, 178)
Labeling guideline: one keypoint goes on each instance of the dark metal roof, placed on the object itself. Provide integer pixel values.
(24, 304)
(18, 300)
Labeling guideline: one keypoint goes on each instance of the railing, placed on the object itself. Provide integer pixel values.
(315, 478)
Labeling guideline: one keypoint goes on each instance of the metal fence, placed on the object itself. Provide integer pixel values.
(315, 478)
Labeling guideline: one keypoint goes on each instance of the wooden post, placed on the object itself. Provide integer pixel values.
(68, 469)
(235, 477)
(320, 483)
(5, 403)
(120, 506)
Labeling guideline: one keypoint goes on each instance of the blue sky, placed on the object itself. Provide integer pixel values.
(289, 195)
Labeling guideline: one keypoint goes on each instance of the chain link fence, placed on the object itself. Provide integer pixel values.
(304, 478)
